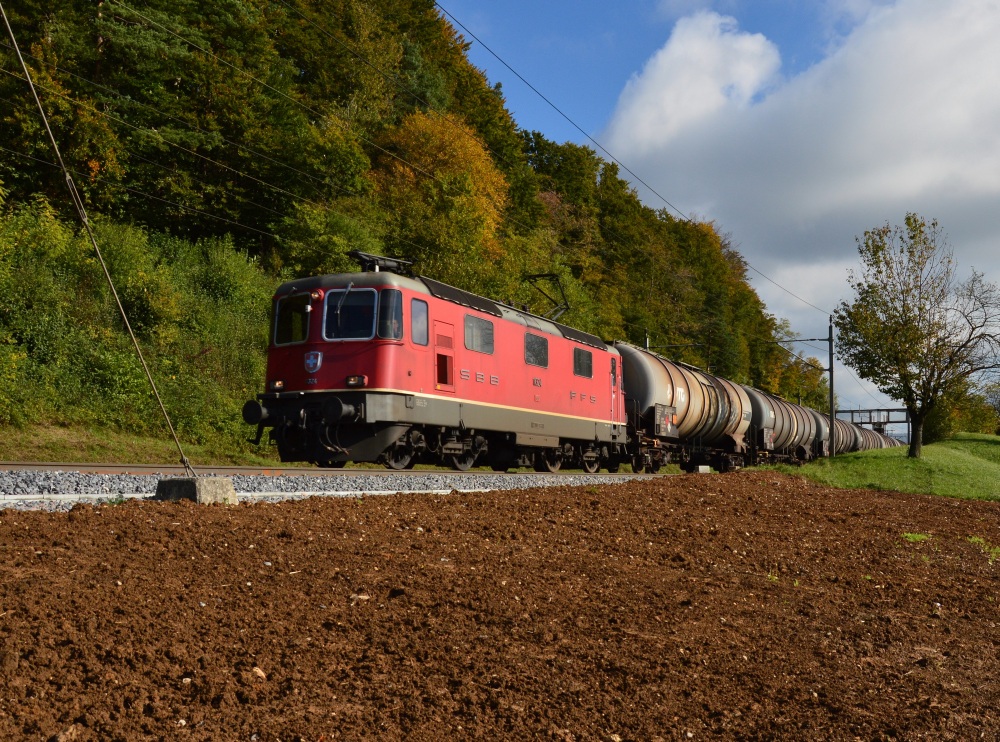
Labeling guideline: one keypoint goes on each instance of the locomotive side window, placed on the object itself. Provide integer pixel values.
(291, 319)
(536, 350)
(583, 363)
(418, 321)
(390, 314)
(350, 314)
(478, 334)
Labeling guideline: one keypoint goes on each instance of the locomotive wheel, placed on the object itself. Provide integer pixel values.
(462, 461)
(549, 460)
(591, 466)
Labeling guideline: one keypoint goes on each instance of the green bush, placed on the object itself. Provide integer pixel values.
(199, 311)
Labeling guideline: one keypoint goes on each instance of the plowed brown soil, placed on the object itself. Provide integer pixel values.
(729, 607)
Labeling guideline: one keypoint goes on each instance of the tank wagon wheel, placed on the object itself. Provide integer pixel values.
(613, 466)
(331, 464)
(462, 461)
(549, 460)
(399, 458)
(638, 463)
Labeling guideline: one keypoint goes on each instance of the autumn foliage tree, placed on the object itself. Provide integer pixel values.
(444, 198)
(914, 329)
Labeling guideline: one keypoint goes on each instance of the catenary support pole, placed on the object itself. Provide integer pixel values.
(833, 410)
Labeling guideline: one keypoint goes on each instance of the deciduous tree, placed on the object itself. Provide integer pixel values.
(914, 328)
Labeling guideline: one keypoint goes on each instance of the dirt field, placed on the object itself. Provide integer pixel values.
(743, 606)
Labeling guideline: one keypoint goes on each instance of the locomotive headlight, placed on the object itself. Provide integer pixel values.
(317, 294)
(356, 381)
(277, 385)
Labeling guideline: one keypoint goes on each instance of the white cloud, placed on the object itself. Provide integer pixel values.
(902, 115)
(706, 68)
(850, 13)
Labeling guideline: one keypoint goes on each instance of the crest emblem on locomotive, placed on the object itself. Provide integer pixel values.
(313, 361)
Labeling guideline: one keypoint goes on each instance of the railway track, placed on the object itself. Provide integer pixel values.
(176, 470)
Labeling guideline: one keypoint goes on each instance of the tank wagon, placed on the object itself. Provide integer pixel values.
(382, 366)
(720, 423)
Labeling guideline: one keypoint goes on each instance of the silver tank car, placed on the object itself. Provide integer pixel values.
(680, 412)
(710, 415)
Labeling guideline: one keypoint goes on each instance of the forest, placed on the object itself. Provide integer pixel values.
(222, 148)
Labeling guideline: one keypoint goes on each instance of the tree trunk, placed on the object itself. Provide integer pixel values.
(916, 437)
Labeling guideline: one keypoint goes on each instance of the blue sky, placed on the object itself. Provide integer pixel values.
(794, 126)
(580, 54)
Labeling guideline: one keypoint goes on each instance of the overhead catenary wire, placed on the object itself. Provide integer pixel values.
(175, 145)
(417, 169)
(394, 79)
(240, 146)
(82, 212)
(560, 112)
(189, 151)
(149, 196)
(318, 114)
(790, 293)
(275, 90)
(387, 76)
(196, 154)
(602, 148)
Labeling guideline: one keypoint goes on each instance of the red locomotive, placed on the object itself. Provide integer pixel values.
(382, 366)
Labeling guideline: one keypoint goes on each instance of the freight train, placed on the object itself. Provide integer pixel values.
(384, 366)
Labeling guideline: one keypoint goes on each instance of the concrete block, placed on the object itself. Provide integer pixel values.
(203, 490)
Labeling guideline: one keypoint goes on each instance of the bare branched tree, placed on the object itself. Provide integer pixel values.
(914, 329)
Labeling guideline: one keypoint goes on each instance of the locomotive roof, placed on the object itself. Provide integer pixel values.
(424, 285)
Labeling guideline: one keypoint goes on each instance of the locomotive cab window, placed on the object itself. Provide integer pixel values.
(418, 321)
(291, 319)
(536, 350)
(583, 363)
(478, 334)
(390, 314)
(350, 314)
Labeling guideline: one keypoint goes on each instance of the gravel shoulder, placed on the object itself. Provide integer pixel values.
(60, 490)
(743, 606)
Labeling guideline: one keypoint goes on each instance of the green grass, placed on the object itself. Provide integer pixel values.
(967, 466)
(42, 443)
